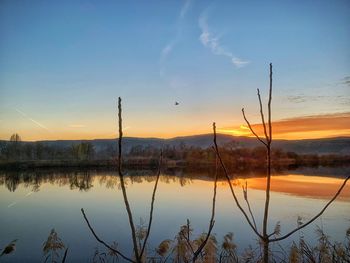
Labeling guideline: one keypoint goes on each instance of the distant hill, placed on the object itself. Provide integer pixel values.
(340, 145)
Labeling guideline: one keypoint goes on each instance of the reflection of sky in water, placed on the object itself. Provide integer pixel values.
(54, 201)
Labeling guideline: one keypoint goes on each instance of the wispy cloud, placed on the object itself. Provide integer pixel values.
(301, 98)
(345, 81)
(168, 48)
(211, 41)
(185, 8)
(32, 120)
(166, 51)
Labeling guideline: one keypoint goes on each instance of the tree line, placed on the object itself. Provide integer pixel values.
(181, 155)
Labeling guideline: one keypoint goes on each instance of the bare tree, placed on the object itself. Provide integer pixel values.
(139, 250)
(138, 247)
(15, 138)
(266, 237)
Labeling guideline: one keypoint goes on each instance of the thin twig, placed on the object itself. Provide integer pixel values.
(102, 242)
(120, 125)
(251, 128)
(65, 255)
(152, 203)
(269, 105)
(268, 180)
(262, 116)
(230, 184)
(245, 194)
(316, 216)
(122, 183)
(212, 221)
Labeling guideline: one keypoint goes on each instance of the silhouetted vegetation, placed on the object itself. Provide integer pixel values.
(52, 247)
(180, 249)
(263, 235)
(224, 250)
(17, 154)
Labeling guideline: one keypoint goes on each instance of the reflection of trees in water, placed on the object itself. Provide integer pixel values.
(12, 182)
(33, 180)
(109, 182)
(82, 180)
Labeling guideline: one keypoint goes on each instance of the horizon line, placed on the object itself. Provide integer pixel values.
(190, 135)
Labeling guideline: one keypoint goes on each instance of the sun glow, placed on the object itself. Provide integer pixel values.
(310, 127)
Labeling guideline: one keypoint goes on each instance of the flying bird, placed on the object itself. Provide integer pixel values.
(176, 103)
(9, 248)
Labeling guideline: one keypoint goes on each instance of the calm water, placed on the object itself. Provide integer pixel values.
(32, 203)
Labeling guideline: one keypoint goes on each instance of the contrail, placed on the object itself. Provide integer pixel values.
(32, 120)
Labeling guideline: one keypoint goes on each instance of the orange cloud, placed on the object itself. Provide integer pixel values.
(308, 127)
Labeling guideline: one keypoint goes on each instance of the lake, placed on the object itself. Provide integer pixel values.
(32, 203)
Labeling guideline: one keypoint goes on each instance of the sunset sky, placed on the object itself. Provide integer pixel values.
(64, 63)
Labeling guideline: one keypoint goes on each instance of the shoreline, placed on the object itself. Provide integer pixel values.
(151, 164)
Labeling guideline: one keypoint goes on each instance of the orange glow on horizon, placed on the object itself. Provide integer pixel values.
(310, 127)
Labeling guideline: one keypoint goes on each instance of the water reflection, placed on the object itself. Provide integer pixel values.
(59, 195)
(304, 186)
(83, 180)
(316, 183)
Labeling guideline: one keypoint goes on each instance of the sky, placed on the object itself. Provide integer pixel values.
(63, 64)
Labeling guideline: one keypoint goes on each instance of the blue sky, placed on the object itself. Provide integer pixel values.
(64, 63)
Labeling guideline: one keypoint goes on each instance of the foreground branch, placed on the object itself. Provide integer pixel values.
(316, 216)
(266, 240)
(122, 183)
(269, 105)
(152, 203)
(245, 194)
(101, 241)
(230, 184)
(212, 221)
(262, 116)
(65, 255)
(251, 128)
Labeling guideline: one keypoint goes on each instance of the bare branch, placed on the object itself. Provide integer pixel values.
(102, 242)
(245, 194)
(251, 128)
(65, 255)
(120, 120)
(262, 116)
(122, 183)
(230, 184)
(316, 216)
(266, 239)
(152, 203)
(269, 105)
(212, 221)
